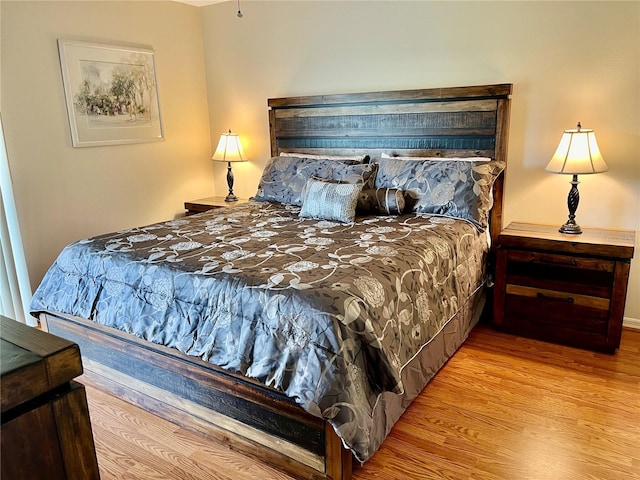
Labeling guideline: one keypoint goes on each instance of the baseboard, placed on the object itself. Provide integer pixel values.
(629, 322)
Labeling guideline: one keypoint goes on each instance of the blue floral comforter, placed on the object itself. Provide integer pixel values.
(328, 313)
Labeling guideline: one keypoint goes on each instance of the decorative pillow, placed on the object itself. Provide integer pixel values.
(284, 177)
(381, 201)
(330, 200)
(457, 159)
(364, 173)
(355, 158)
(459, 189)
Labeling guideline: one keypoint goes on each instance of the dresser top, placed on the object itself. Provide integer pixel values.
(33, 362)
(592, 241)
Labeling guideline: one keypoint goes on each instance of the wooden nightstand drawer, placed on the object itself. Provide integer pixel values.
(570, 262)
(562, 273)
(563, 288)
(553, 308)
(574, 325)
(559, 297)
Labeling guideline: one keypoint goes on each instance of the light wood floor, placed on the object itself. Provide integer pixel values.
(504, 407)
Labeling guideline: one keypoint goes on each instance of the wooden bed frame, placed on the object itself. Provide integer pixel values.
(247, 416)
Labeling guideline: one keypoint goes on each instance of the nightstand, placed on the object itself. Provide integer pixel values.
(209, 203)
(563, 288)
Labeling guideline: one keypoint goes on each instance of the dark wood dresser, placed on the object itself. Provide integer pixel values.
(563, 288)
(46, 432)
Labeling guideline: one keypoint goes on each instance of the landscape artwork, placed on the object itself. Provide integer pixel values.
(111, 93)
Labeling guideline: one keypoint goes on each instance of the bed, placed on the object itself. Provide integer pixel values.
(290, 335)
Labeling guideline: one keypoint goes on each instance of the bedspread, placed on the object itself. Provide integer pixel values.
(328, 313)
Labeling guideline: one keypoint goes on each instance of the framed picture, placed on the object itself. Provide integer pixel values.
(111, 93)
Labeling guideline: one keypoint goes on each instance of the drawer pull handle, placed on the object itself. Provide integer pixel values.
(551, 297)
(571, 263)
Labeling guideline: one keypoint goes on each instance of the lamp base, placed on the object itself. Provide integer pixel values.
(571, 228)
(231, 197)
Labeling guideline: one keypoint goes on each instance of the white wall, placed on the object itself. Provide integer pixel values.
(568, 61)
(65, 193)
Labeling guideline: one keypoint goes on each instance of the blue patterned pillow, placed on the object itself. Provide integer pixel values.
(330, 200)
(284, 177)
(454, 188)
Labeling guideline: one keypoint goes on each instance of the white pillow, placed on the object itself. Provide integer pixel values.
(463, 159)
(358, 158)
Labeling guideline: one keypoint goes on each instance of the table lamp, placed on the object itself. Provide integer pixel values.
(577, 154)
(229, 150)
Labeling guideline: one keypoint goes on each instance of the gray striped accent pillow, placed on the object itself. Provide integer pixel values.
(326, 200)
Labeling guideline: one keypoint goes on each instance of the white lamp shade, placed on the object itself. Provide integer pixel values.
(577, 154)
(229, 149)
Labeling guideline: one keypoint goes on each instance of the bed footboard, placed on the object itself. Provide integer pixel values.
(246, 416)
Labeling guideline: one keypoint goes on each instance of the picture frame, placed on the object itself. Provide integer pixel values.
(111, 93)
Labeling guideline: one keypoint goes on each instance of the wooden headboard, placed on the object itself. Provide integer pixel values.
(436, 122)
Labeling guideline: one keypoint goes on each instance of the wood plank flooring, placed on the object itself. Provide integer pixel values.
(503, 407)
